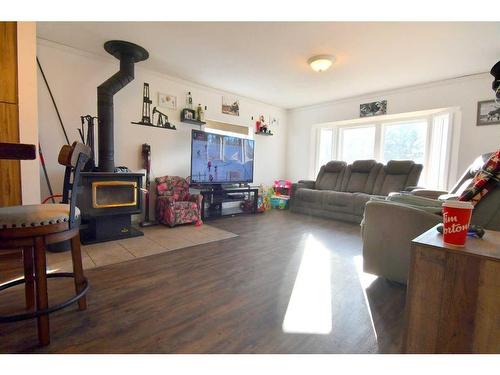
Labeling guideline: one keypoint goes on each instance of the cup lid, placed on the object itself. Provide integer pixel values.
(458, 204)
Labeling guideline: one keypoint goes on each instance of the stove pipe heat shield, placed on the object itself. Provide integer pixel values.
(128, 54)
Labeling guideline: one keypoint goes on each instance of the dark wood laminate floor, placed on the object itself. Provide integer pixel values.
(230, 296)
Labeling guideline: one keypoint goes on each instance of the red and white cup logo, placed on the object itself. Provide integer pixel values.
(456, 219)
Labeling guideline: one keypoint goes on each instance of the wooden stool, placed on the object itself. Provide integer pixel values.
(31, 228)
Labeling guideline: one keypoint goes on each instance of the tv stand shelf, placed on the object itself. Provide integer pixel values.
(232, 201)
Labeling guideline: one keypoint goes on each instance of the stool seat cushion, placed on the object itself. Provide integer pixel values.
(34, 215)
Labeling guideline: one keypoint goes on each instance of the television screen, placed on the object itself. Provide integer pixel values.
(220, 159)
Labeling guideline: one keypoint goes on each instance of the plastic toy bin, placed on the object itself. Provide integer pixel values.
(279, 202)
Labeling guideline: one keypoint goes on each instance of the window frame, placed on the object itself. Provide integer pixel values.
(384, 121)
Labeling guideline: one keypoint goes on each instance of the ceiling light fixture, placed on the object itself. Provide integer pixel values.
(321, 63)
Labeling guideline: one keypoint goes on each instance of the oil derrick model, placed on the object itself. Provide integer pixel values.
(146, 107)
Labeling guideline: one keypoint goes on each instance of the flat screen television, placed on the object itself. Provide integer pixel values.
(220, 159)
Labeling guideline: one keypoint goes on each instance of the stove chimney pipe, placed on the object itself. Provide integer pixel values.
(128, 54)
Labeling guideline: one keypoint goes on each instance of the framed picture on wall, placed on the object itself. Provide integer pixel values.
(488, 113)
(230, 106)
(373, 109)
(167, 101)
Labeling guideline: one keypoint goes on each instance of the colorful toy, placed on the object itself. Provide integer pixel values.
(282, 187)
(281, 194)
(264, 199)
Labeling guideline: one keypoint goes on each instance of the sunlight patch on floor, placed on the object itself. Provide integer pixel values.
(310, 306)
(365, 279)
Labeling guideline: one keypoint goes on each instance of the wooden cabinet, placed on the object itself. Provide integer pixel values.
(10, 170)
(453, 300)
(8, 62)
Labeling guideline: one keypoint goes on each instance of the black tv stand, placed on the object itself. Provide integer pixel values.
(220, 200)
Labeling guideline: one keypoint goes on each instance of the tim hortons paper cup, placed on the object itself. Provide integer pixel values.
(456, 219)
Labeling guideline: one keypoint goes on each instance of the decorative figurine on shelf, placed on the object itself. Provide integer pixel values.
(162, 121)
(188, 114)
(189, 100)
(261, 126)
(146, 107)
(200, 115)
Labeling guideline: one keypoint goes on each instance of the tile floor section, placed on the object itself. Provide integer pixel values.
(157, 239)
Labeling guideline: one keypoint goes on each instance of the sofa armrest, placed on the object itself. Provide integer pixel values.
(428, 193)
(307, 184)
(387, 231)
(412, 188)
(198, 198)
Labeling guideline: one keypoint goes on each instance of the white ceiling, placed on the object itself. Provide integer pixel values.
(267, 61)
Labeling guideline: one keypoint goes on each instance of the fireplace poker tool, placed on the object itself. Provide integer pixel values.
(88, 121)
(146, 157)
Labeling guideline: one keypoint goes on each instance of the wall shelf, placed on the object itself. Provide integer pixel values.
(193, 122)
(262, 133)
(172, 127)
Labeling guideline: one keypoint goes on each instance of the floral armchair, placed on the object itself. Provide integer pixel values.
(174, 204)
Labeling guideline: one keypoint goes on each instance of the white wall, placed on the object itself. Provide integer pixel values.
(28, 111)
(460, 92)
(74, 76)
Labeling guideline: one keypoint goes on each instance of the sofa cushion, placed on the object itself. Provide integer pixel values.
(399, 166)
(363, 166)
(396, 176)
(360, 176)
(35, 215)
(310, 197)
(328, 181)
(335, 166)
(338, 201)
(330, 176)
(393, 183)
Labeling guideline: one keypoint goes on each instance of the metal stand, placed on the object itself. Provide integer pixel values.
(146, 157)
(51, 309)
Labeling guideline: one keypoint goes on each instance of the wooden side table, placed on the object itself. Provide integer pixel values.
(453, 298)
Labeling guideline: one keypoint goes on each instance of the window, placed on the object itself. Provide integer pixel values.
(440, 144)
(325, 146)
(357, 143)
(425, 139)
(404, 141)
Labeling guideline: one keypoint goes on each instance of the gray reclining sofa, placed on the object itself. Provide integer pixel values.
(341, 191)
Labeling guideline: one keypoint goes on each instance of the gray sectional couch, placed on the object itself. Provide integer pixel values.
(341, 191)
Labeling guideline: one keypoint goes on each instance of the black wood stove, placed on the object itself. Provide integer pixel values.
(107, 196)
